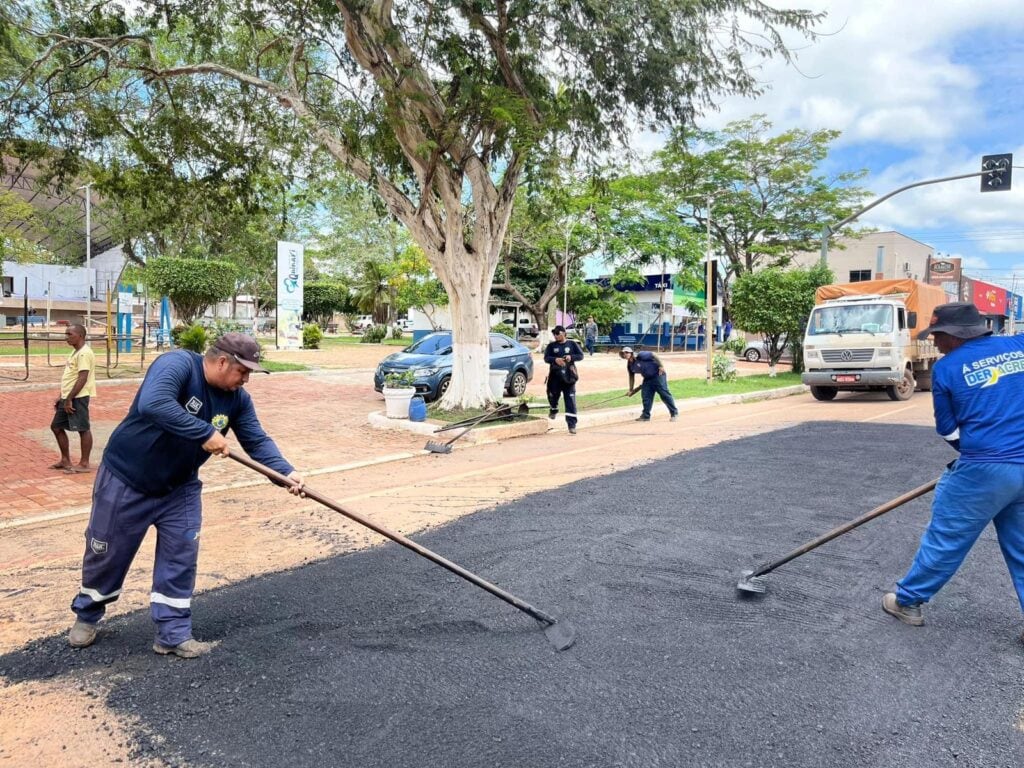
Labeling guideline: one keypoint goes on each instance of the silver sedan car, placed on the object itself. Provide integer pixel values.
(756, 350)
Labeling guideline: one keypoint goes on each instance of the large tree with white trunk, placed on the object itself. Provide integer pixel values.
(439, 107)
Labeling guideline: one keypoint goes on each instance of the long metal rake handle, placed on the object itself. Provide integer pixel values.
(398, 538)
(899, 501)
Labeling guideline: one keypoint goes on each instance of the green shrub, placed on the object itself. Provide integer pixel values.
(396, 332)
(734, 346)
(176, 332)
(723, 367)
(505, 328)
(311, 336)
(374, 334)
(399, 380)
(194, 338)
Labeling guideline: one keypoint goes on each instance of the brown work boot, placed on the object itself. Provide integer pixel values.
(190, 649)
(908, 614)
(82, 634)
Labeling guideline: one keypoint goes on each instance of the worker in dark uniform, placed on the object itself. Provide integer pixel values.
(562, 355)
(149, 476)
(654, 380)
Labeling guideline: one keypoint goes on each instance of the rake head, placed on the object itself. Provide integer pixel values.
(434, 447)
(561, 634)
(751, 583)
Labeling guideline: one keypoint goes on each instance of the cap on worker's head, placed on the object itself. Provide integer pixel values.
(960, 319)
(243, 349)
(627, 351)
(558, 329)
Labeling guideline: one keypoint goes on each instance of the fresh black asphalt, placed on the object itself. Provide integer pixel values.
(381, 659)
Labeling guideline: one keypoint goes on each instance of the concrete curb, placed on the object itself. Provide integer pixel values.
(595, 419)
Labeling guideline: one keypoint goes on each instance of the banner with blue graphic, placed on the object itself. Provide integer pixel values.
(289, 295)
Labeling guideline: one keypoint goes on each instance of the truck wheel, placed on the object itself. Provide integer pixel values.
(904, 389)
(824, 393)
(924, 381)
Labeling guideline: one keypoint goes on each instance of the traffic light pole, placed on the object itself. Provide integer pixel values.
(828, 230)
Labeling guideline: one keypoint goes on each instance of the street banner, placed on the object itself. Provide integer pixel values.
(289, 295)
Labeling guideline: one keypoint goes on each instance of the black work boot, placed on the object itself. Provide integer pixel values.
(908, 614)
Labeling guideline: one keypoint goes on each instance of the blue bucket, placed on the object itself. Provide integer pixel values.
(417, 409)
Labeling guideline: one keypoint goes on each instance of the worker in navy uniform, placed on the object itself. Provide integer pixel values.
(562, 355)
(149, 476)
(654, 381)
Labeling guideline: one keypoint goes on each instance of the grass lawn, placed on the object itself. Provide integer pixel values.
(690, 388)
(338, 341)
(275, 367)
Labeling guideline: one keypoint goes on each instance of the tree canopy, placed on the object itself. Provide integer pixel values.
(767, 199)
(776, 303)
(439, 107)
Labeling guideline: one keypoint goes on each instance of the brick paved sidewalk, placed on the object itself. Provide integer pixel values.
(318, 418)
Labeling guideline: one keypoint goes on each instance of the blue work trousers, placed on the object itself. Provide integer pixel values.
(967, 498)
(119, 520)
(659, 385)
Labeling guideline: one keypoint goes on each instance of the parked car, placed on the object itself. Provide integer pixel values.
(527, 328)
(361, 323)
(756, 350)
(430, 359)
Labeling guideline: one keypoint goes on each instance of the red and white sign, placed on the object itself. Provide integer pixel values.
(989, 299)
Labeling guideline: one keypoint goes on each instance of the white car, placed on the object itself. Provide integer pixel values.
(361, 323)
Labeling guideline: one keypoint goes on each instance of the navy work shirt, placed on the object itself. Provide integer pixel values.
(159, 445)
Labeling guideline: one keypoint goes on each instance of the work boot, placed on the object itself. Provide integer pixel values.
(82, 634)
(908, 614)
(190, 649)
(674, 417)
(643, 418)
(552, 414)
(572, 430)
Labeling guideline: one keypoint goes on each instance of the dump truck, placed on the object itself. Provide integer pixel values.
(863, 337)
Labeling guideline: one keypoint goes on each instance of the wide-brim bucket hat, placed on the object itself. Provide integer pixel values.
(959, 319)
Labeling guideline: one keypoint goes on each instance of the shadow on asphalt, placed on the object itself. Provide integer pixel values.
(380, 659)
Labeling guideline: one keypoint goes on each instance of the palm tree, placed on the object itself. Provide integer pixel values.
(371, 290)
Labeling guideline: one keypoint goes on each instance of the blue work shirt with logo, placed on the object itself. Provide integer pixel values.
(159, 445)
(978, 395)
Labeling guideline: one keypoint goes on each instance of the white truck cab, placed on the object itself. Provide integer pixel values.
(866, 342)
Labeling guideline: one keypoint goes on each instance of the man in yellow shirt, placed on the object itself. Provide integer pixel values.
(71, 412)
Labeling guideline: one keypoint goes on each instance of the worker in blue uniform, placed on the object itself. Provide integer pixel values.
(978, 397)
(149, 476)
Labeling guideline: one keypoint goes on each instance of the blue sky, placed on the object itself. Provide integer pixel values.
(920, 90)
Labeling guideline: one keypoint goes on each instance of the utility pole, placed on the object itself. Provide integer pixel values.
(708, 278)
(88, 257)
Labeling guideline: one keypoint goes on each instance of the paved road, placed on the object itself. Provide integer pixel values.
(380, 659)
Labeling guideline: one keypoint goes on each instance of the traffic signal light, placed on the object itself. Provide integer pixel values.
(998, 169)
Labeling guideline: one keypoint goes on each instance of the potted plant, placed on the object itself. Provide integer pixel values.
(398, 392)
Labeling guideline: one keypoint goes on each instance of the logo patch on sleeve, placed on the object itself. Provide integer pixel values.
(194, 405)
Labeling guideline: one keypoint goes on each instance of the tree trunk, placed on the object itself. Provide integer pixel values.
(468, 293)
